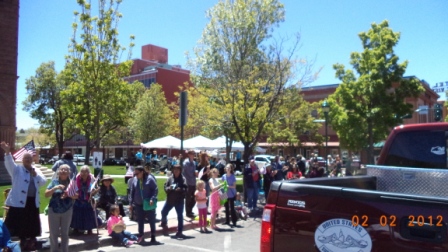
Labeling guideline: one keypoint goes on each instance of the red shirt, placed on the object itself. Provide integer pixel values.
(293, 175)
(255, 173)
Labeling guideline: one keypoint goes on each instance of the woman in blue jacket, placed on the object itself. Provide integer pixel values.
(143, 186)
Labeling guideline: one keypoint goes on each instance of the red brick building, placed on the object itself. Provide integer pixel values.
(319, 93)
(153, 67)
(9, 33)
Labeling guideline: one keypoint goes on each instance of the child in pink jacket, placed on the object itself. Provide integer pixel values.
(117, 229)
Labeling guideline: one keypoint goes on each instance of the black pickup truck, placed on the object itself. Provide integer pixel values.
(400, 205)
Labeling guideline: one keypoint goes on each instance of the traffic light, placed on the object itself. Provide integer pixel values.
(437, 112)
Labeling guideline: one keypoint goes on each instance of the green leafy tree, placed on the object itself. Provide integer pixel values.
(40, 137)
(99, 99)
(371, 99)
(152, 116)
(294, 119)
(244, 68)
(44, 102)
(201, 116)
(205, 116)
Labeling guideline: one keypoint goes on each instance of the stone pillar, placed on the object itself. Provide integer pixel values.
(9, 33)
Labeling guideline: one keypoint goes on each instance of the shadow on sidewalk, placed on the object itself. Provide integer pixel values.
(183, 237)
(149, 244)
(224, 230)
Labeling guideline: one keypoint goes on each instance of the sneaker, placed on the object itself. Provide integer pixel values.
(129, 243)
(180, 235)
(165, 230)
(140, 239)
(155, 242)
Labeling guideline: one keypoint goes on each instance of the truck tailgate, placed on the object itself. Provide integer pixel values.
(337, 218)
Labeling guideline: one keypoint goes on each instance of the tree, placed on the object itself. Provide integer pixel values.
(41, 139)
(152, 116)
(294, 120)
(371, 99)
(203, 119)
(206, 116)
(44, 101)
(244, 69)
(99, 99)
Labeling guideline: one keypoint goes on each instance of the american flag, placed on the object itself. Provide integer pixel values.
(72, 188)
(27, 148)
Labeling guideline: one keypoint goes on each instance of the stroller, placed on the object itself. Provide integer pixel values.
(241, 210)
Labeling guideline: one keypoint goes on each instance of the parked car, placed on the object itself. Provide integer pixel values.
(263, 160)
(320, 162)
(109, 161)
(53, 159)
(119, 161)
(78, 158)
(44, 159)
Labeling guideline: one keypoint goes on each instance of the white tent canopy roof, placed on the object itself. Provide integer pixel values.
(168, 142)
(199, 142)
(221, 141)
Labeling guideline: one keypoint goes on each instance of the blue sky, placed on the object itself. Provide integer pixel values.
(329, 33)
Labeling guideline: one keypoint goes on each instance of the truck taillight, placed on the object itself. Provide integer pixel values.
(267, 228)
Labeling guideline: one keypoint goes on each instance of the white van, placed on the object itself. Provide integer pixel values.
(263, 160)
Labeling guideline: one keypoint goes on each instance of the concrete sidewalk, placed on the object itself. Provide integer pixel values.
(90, 242)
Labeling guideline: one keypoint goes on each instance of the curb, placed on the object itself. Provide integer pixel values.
(95, 242)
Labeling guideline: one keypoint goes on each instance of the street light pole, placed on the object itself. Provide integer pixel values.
(325, 109)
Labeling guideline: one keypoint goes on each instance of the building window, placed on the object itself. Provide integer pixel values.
(148, 82)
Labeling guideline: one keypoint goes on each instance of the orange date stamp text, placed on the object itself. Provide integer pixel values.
(391, 220)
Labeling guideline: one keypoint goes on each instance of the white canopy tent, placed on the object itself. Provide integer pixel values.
(220, 143)
(199, 142)
(168, 142)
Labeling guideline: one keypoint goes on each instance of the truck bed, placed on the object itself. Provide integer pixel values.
(320, 214)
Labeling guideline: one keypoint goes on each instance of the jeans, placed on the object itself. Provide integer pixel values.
(252, 196)
(59, 224)
(123, 236)
(180, 214)
(230, 203)
(190, 199)
(14, 246)
(141, 215)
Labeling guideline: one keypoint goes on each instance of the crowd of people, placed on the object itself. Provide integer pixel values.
(205, 183)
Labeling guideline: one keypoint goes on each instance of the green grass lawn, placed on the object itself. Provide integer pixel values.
(119, 185)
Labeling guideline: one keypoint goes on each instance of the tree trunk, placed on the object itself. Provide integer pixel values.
(370, 157)
(246, 155)
(87, 149)
(60, 138)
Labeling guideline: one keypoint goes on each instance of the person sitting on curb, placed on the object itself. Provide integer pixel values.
(117, 228)
(175, 188)
(5, 242)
